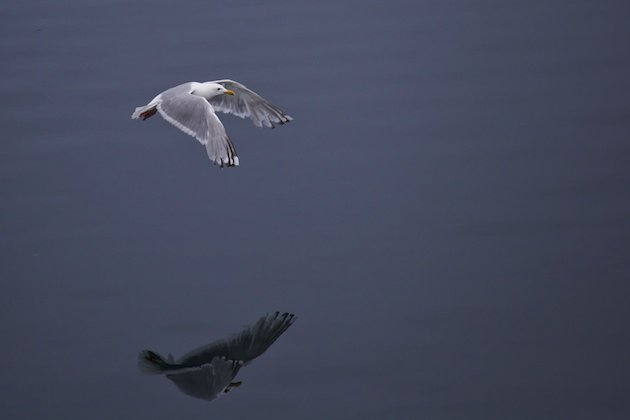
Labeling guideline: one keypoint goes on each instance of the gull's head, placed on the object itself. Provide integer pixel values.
(210, 89)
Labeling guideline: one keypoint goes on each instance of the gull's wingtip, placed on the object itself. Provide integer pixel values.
(227, 162)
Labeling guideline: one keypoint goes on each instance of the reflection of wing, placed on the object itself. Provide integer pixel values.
(246, 346)
(194, 116)
(248, 104)
(206, 381)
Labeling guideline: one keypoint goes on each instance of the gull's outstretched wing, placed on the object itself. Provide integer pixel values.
(248, 104)
(246, 346)
(207, 381)
(194, 116)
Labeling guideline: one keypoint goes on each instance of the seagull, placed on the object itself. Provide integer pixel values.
(209, 371)
(191, 107)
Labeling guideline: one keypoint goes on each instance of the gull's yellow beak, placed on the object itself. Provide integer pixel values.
(229, 92)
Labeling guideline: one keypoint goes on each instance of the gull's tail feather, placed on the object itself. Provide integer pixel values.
(144, 112)
(152, 363)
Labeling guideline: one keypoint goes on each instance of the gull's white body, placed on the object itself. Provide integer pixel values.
(191, 108)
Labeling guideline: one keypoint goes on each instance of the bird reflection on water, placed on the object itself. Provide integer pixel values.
(209, 371)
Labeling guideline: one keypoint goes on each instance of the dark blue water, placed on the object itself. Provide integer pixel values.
(448, 215)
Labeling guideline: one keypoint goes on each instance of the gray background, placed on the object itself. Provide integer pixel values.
(448, 214)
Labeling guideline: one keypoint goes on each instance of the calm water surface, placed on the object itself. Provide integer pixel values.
(448, 214)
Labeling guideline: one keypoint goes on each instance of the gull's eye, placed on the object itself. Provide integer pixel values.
(218, 88)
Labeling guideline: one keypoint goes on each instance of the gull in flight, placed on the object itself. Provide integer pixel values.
(208, 371)
(191, 108)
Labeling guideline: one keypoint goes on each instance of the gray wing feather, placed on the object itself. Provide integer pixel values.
(207, 381)
(248, 104)
(194, 116)
(246, 346)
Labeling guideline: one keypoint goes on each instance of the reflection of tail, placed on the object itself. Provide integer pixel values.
(152, 363)
(231, 386)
